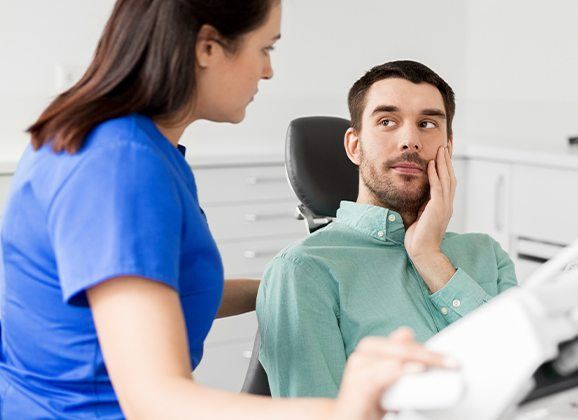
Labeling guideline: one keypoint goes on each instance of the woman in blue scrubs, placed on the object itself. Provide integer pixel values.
(112, 276)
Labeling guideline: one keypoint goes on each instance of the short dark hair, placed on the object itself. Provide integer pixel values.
(404, 69)
(144, 63)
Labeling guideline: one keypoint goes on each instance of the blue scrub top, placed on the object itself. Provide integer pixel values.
(126, 204)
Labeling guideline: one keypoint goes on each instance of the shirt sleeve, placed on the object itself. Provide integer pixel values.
(117, 214)
(302, 349)
(462, 294)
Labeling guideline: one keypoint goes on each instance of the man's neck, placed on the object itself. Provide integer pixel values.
(408, 217)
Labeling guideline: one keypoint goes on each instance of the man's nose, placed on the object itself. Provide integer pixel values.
(409, 140)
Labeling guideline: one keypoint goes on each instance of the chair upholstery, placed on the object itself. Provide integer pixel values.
(321, 175)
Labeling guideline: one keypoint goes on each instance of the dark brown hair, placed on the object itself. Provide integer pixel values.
(409, 70)
(144, 62)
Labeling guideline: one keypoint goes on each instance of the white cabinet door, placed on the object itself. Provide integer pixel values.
(488, 200)
(545, 204)
(224, 365)
(225, 186)
(458, 221)
(4, 190)
(249, 258)
(255, 220)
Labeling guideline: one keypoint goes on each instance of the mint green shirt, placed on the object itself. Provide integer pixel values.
(352, 279)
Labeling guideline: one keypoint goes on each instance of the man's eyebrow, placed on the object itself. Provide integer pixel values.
(434, 112)
(384, 108)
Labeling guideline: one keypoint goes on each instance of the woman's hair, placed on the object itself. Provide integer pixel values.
(144, 63)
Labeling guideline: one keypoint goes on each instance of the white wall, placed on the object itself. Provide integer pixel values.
(513, 65)
(35, 36)
(326, 46)
(522, 72)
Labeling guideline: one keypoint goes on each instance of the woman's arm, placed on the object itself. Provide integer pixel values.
(142, 334)
(239, 296)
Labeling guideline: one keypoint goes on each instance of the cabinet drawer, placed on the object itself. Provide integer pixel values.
(249, 258)
(231, 185)
(545, 204)
(225, 366)
(254, 220)
(233, 328)
(488, 200)
(4, 190)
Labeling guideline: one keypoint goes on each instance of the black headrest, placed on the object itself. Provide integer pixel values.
(318, 168)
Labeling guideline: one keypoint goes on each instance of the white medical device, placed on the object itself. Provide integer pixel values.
(500, 347)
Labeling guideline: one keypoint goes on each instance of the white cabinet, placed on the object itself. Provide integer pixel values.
(546, 204)
(530, 209)
(251, 213)
(458, 220)
(488, 202)
(4, 189)
(224, 365)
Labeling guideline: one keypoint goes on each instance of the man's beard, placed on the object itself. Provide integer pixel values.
(384, 189)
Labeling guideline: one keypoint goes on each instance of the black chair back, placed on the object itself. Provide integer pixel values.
(318, 168)
(321, 175)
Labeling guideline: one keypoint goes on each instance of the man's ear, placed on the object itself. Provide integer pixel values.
(352, 145)
(208, 45)
(451, 145)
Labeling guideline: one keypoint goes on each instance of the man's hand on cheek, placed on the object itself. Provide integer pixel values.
(423, 238)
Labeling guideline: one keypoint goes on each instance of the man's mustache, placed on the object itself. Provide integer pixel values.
(407, 157)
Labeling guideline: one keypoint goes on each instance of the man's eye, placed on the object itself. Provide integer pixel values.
(427, 124)
(268, 49)
(386, 123)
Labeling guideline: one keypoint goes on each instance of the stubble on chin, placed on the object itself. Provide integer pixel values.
(404, 197)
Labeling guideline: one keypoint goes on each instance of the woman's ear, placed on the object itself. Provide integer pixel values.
(352, 145)
(207, 45)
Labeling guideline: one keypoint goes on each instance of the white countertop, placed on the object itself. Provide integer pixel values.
(562, 158)
(204, 161)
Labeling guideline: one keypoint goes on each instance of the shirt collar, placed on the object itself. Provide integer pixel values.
(378, 222)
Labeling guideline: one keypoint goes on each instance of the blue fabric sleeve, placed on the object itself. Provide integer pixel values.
(118, 213)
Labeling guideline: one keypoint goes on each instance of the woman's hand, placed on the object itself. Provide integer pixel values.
(375, 365)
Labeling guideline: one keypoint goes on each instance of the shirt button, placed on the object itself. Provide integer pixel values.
(444, 310)
(391, 218)
(380, 234)
(456, 303)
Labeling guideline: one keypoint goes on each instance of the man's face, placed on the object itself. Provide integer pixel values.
(403, 126)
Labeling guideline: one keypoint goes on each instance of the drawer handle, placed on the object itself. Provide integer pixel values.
(252, 217)
(498, 205)
(254, 180)
(251, 255)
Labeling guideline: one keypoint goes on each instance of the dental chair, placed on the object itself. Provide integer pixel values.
(321, 175)
(537, 378)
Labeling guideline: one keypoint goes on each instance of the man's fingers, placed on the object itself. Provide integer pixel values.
(453, 179)
(443, 174)
(434, 182)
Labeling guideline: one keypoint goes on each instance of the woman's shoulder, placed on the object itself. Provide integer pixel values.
(129, 130)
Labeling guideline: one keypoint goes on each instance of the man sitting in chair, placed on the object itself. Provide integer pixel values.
(386, 260)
